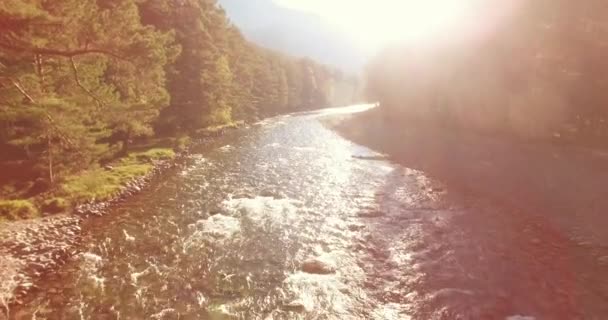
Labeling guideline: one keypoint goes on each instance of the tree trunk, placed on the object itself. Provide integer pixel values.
(50, 155)
(126, 143)
(40, 71)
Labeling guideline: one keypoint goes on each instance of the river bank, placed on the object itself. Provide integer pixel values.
(34, 245)
(558, 189)
(565, 184)
(31, 248)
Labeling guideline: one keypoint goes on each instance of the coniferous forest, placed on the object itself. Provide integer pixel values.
(87, 83)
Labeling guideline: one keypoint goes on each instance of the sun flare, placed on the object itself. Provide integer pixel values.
(378, 23)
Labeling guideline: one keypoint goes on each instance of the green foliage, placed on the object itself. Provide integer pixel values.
(220, 77)
(98, 74)
(55, 205)
(84, 82)
(102, 184)
(17, 209)
(182, 143)
(149, 156)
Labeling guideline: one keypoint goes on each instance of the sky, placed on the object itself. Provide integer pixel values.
(378, 23)
(347, 33)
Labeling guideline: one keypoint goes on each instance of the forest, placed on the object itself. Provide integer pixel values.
(88, 83)
(539, 73)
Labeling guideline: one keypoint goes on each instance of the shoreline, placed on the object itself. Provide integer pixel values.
(552, 198)
(32, 248)
(563, 186)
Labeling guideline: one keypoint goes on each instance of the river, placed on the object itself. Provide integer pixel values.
(288, 220)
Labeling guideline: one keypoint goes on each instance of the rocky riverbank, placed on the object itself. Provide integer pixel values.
(29, 249)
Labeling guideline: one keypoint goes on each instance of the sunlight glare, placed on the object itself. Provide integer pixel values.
(378, 23)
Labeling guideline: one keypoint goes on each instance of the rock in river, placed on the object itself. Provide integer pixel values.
(317, 266)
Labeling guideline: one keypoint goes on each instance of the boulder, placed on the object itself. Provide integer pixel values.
(317, 266)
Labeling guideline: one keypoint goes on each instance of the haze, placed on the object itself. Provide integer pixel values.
(303, 159)
(376, 24)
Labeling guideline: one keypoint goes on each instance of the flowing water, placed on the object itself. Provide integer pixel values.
(287, 220)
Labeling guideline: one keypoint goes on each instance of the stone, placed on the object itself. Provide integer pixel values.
(316, 266)
(356, 227)
(295, 306)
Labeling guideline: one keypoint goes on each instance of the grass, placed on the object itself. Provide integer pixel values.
(55, 205)
(213, 130)
(104, 183)
(95, 184)
(17, 209)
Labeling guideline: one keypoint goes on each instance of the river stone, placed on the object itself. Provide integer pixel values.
(296, 306)
(316, 266)
(356, 227)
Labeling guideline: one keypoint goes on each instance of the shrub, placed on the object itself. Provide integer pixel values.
(17, 209)
(103, 184)
(151, 155)
(55, 205)
(182, 143)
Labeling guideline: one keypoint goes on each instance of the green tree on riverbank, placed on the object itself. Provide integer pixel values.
(83, 82)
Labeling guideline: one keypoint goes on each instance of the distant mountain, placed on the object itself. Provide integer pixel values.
(294, 32)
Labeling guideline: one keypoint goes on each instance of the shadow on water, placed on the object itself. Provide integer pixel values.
(436, 253)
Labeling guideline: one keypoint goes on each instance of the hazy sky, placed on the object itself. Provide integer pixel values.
(377, 23)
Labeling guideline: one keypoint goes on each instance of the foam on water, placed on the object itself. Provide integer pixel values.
(390, 311)
(309, 149)
(91, 264)
(259, 208)
(220, 226)
(226, 148)
(323, 295)
(91, 259)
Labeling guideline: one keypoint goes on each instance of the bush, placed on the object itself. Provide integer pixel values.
(100, 184)
(17, 209)
(103, 184)
(181, 144)
(151, 155)
(55, 205)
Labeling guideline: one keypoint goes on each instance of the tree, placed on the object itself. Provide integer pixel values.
(66, 74)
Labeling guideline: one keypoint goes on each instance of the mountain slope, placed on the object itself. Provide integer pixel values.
(294, 32)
